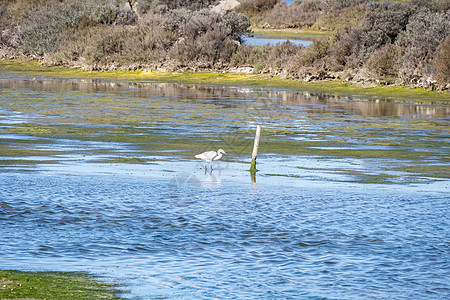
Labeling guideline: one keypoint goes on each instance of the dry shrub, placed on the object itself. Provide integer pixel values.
(302, 14)
(208, 37)
(209, 48)
(441, 62)
(163, 6)
(348, 17)
(22, 8)
(242, 56)
(441, 5)
(256, 9)
(384, 62)
(316, 51)
(113, 14)
(432, 5)
(43, 29)
(9, 29)
(256, 56)
(128, 46)
(341, 4)
(282, 54)
(382, 24)
(423, 34)
(105, 47)
(344, 49)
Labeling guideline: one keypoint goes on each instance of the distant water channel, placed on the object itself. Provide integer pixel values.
(262, 40)
(350, 201)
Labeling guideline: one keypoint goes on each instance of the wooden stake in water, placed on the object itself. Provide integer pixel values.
(255, 148)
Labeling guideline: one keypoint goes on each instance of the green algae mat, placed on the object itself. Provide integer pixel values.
(256, 80)
(49, 118)
(53, 285)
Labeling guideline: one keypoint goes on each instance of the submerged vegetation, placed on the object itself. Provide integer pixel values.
(96, 122)
(53, 285)
(405, 43)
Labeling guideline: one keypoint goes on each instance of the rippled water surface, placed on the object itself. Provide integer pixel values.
(350, 201)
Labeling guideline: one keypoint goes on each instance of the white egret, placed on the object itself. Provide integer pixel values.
(209, 156)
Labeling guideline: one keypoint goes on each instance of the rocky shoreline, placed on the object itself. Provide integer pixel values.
(361, 78)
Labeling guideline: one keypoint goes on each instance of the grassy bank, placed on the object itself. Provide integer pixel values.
(141, 76)
(53, 285)
(300, 33)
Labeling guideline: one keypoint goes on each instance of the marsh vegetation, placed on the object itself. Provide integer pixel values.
(53, 285)
(405, 43)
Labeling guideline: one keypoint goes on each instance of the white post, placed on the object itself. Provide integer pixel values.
(255, 148)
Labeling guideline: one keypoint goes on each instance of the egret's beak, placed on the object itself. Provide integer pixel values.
(225, 153)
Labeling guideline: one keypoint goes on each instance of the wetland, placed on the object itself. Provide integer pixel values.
(97, 174)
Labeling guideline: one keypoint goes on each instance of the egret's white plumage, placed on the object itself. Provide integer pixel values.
(209, 156)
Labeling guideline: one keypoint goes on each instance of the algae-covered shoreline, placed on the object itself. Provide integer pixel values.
(338, 87)
(53, 285)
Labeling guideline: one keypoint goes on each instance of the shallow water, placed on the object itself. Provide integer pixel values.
(351, 200)
(262, 40)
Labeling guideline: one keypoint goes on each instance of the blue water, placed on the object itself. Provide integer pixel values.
(308, 227)
(194, 237)
(262, 40)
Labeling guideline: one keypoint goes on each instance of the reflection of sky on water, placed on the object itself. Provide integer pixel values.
(261, 40)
